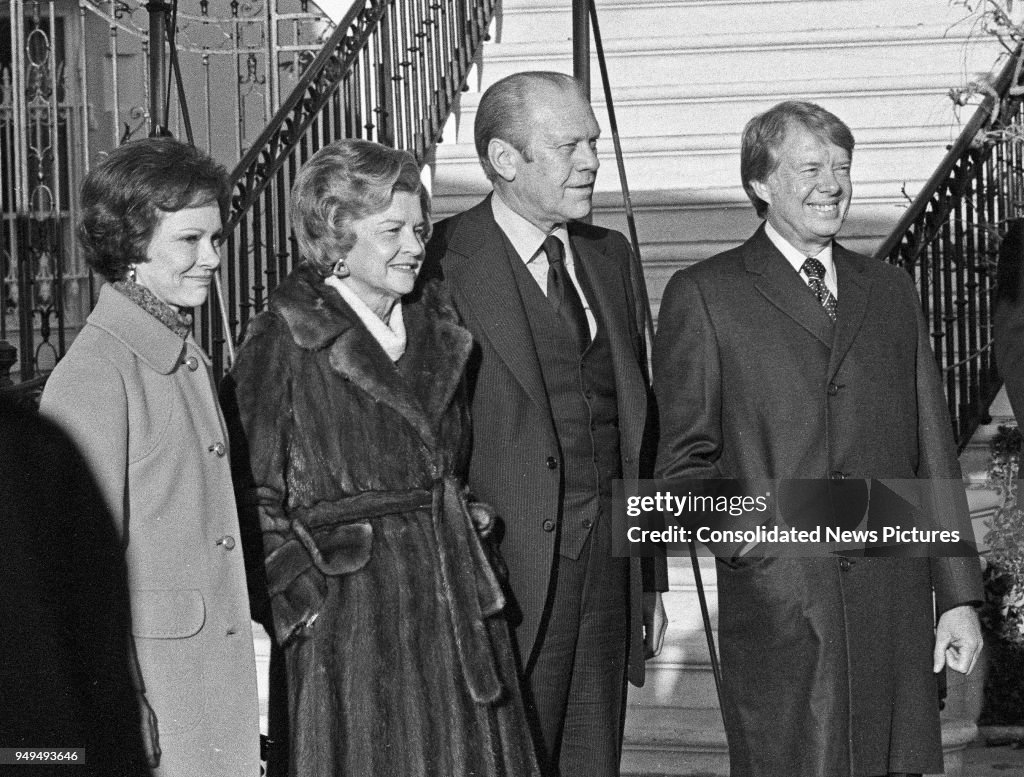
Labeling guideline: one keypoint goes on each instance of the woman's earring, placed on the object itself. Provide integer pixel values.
(131, 273)
(340, 270)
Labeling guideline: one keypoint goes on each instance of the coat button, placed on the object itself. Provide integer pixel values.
(552, 464)
(219, 448)
(833, 389)
(192, 363)
(844, 564)
(227, 541)
(587, 523)
(548, 525)
(836, 474)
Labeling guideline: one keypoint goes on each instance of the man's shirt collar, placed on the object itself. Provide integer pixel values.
(525, 237)
(796, 257)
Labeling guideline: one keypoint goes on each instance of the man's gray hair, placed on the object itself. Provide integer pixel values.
(505, 111)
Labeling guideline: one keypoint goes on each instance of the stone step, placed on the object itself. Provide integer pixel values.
(685, 640)
(957, 734)
(682, 577)
(685, 742)
(667, 195)
(690, 109)
(703, 160)
(674, 741)
(689, 684)
(261, 645)
(549, 20)
(745, 57)
(679, 227)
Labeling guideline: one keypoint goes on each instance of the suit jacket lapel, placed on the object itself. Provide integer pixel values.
(480, 278)
(606, 283)
(854, 286)
(784, 289)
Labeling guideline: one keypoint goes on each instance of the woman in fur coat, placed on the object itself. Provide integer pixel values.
(351, 429)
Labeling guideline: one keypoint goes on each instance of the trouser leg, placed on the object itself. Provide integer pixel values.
(576, 686)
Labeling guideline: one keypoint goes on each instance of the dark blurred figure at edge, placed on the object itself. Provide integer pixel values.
(64, 679)
(1008, 317)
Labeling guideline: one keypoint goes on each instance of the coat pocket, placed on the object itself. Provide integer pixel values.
(167, 614)
(168, 629)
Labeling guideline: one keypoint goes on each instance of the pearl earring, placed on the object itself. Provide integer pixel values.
(340, 270)
(131, 273)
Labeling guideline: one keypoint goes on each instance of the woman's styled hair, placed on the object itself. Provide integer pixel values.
(765, 134)
(341, 183)
(125, 196)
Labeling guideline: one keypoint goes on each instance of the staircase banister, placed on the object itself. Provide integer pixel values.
(389, 73)
(1000, 86)
(284, 114)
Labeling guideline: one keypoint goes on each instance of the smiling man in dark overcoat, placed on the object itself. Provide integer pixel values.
(792, 357)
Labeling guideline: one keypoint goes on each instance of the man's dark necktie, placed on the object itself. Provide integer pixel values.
(562, 293)
(815, 272)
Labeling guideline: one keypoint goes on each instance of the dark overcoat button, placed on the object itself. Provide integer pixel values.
(548, 525)
(844, 564)
(552, 463)
(833, 389)
(587, 523)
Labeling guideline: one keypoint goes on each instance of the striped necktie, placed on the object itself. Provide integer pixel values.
(815, 272)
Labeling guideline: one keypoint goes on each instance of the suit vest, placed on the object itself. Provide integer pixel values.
(581, 392)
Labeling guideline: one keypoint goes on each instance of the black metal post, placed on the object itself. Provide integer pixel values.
(581, 42)
(158, 10)
(8, 358)
(26, 310)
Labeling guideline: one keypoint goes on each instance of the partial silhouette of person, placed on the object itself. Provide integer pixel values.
(1008, 316)
(64, 664)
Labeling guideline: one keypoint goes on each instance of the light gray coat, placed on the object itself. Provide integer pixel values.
(140, 403)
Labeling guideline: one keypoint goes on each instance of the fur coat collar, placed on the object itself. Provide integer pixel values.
(421, 385)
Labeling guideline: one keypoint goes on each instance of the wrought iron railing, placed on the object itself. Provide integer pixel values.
(948, 241)
(390, 73)
(73, 85)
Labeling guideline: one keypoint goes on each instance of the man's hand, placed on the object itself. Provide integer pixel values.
(150, 738)
(655, 623)
(483, 516)
(957, 640)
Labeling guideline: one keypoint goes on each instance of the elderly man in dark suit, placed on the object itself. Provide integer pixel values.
(792, 357)
(560, 408)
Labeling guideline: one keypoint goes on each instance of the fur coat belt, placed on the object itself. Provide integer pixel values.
(334, 538)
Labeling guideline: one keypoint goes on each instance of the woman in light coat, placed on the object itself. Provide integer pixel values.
(136, 393)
